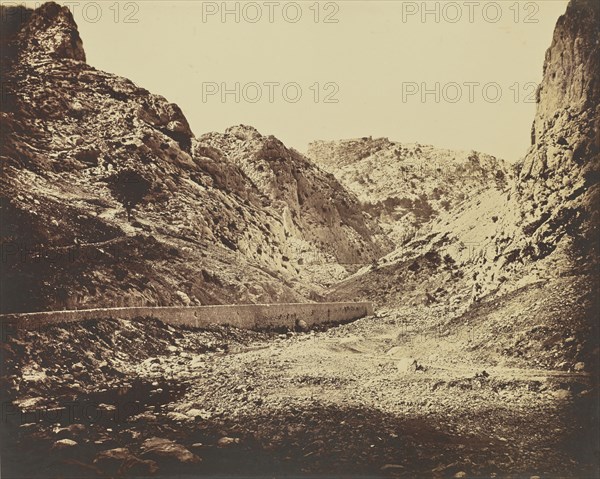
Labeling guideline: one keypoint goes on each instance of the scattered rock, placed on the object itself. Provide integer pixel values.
(177, 416)
(301, 325)
(112, 459)
(77, 367)
(201, 413)
(184, 298)
(407, 365)
(227, 441)
(161, 447)
(29, 402)
(562, 394)
(64, 443)
(70, 430)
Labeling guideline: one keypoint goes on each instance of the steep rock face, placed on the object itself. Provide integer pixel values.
(528, 244)
(569, 82)
(551, 208)
(405, 186)
(558, 183)
(549, 226)
(549, 216)
(314, 205)
(83, 150)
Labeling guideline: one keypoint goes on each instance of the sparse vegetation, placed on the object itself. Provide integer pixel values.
(131, 188)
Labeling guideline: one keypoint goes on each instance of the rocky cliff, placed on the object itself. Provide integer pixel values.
(108, 198)
(558, 182)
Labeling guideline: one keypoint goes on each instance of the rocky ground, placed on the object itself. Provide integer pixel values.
(390, 395)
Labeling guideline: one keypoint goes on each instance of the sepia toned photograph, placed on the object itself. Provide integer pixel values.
(299, 239)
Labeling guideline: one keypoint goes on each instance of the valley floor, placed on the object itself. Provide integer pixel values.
(371, 398)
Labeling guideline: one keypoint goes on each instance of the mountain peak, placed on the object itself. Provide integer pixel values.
(49, 29)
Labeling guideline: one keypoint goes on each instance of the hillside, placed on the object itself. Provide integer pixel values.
(109, 199)
(316, 209)
(405, 186)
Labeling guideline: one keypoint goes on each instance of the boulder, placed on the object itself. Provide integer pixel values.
(165, 448)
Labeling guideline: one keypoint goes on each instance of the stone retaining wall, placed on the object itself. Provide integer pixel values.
(244, 316)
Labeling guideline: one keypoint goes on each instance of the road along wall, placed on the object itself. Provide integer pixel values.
(244, 316)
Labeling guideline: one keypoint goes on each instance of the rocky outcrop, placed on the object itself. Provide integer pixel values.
(47, 30)
(569, 83)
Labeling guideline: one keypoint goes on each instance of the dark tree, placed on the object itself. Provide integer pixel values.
(130, 187)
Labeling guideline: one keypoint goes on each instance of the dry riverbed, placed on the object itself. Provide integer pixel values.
(370, 398)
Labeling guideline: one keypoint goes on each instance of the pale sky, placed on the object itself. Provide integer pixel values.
(375, 61)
